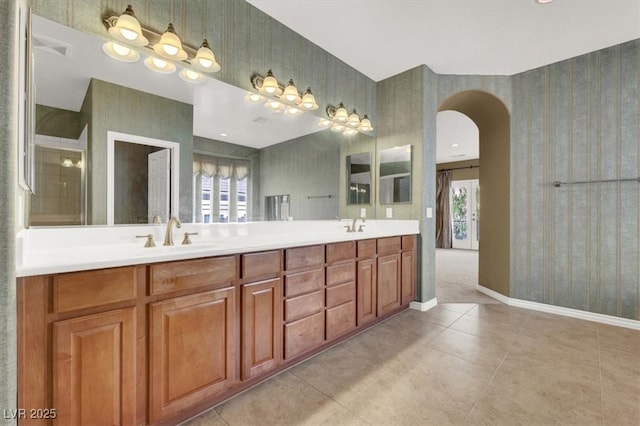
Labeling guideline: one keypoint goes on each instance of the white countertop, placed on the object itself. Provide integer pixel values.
(65, 249)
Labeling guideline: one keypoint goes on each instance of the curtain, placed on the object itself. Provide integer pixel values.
(443, 210)
(225, 168)
(240, 169)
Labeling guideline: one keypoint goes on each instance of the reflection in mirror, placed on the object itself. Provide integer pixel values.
(359, 178)
(60, 179)
(74, 78)
(395, 175)
(277, 207)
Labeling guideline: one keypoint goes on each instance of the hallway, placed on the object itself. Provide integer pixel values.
(457, 277)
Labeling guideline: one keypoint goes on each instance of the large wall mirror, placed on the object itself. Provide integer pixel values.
(359, 178)
(78, 86)
(395, 175)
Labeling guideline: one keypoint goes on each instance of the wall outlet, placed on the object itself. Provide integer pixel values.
(389, 213)
(429, 212)
(363, 212)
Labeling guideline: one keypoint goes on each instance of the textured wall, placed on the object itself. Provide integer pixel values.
(578, 246)
(57, 122)
(120, 109)
(303, 167)
(8, 188)
(244, 39)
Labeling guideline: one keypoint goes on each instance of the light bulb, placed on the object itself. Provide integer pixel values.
(159, 62)
(169, 50)
(121, 50)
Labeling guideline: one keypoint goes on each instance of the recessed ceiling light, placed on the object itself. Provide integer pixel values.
(544, 1)
(455, 145)
(224, 135)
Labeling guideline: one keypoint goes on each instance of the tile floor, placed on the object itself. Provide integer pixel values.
(461, 364)
(457, 277)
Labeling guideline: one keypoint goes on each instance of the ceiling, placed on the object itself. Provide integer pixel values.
(382, 38)
(457, 137)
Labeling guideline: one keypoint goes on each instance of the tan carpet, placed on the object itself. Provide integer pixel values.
(457, 277)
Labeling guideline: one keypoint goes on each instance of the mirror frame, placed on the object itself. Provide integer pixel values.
(112, 137)
(26, 108)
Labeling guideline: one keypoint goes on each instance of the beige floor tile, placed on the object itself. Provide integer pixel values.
(208, 418)
(501, 315)
(482, 327)
(282, 400)
(620, 374)
(561, 327)
(339, 373)
(406, 400)
(441, 316)
(455, 377)
(344, 417)
(483, 351)
(462, 308)
(619, 338)
(561, 353)
(416, 325)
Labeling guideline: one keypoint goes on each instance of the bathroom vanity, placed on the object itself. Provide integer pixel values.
(117, 333)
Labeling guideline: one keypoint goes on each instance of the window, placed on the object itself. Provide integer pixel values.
(220, 189)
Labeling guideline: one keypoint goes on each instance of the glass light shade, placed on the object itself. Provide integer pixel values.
(254, 98)
(324, 122)
(290, 93)
(205, 60)
(170, 46)
(270, 84)
(274, 105)
(354, 119)
(120, 52)
(338, 128)
(191, 76)
(365, 124)
(127, 29)
(293, 111)
(159, 65)
(67, 163)
(341, 114)
(308, 100)
(350, 132)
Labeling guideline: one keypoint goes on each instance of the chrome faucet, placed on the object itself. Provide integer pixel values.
(168, 234)
(352, 228)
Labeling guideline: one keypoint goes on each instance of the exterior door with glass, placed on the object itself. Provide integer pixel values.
(465, 214)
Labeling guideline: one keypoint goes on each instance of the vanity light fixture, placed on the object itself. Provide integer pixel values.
(191, 76)
(159, 65)
(170, 46)
(279, 98)
(119, 52)
(127, 29)
(324, 122)
(205, 60)
(165, 53)
(348, 122)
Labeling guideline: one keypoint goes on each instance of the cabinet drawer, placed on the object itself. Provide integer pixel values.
(341, 319)
(80, 290)
(341, 293)
(341, 251)
(366, 248)
(303, 257)
(344, 272)
(303, 306)
(389, 245)
(303, 282)
(303, 335)
(175, 276)
(255, 265)
(408, 242)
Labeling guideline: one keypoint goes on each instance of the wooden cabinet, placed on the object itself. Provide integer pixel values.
(389, 298)
(367, 283)
(158, 343)
(94, 369)
(191, 350)
(261, 327)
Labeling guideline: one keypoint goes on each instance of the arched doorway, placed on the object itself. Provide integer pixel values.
(492, 118)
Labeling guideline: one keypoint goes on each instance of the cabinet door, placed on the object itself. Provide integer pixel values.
(94, 369)
(261, 327)
(367, 294)
(388, 283)
(192, 352)
(408, 274)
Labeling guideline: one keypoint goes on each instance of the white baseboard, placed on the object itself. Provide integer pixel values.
(424, 306)
(559, 310)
